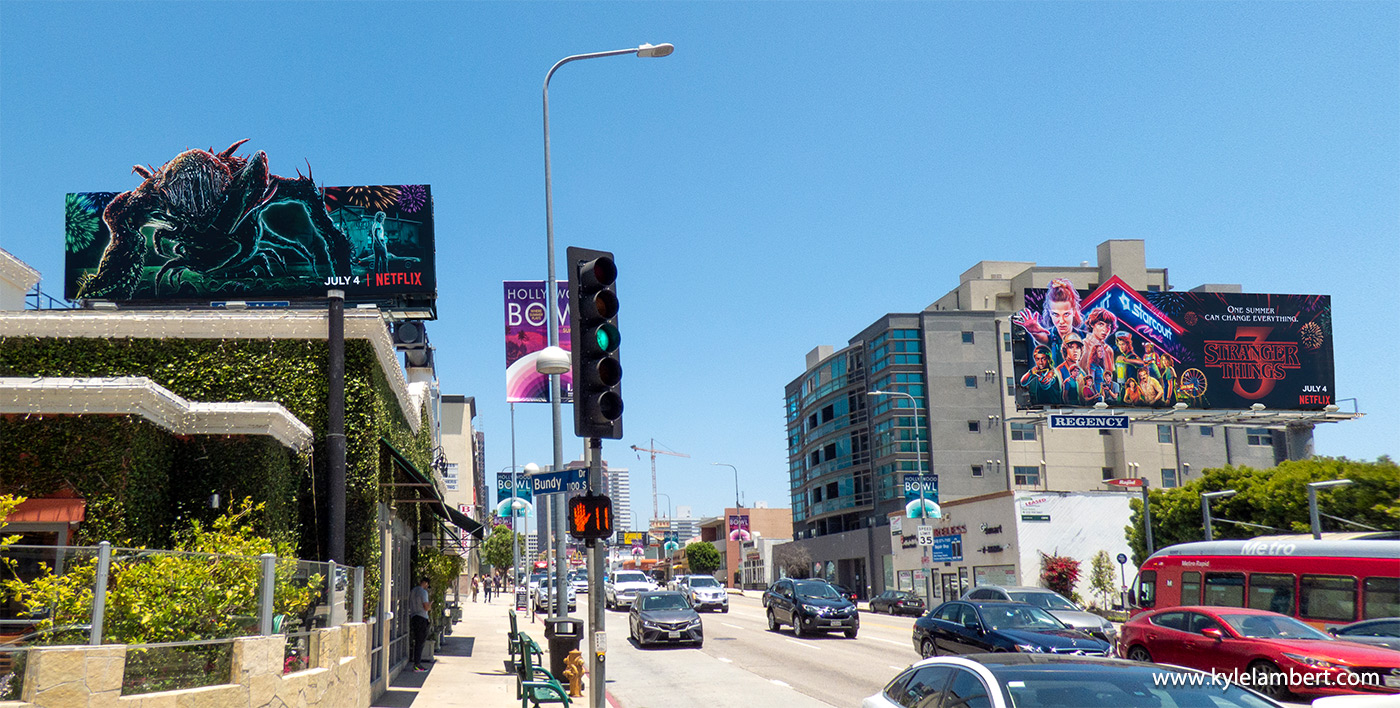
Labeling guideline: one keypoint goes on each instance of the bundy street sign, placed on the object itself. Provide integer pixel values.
(1106, 422)
(560, 481)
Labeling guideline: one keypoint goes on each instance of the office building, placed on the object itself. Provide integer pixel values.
(619, 483)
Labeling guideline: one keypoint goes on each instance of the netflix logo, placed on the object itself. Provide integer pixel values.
(383, 280)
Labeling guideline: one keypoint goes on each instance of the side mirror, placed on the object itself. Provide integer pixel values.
(1213, 633)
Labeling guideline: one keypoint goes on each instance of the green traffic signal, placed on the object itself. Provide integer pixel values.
(607, 337)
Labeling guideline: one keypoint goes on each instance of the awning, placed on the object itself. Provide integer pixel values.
(403, 463)
(466, 523)
(48, 511)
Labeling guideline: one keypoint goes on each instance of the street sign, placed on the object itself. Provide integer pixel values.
(559, 481)
(918, 575)
(1132, 482)
(1106, 422)
(925, 535)
(1122, 558)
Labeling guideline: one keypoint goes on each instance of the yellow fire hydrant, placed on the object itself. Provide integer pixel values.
(573, 671)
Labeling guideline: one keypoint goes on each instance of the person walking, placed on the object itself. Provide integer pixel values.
(421, 605)
(486, 588)
(476, 586)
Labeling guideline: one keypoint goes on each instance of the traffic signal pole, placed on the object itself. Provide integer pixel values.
(597, 566)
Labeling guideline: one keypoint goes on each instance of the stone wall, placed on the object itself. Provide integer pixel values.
(91, 677)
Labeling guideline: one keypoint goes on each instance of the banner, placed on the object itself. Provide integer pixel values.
(1158, 349)
(527, 333)
(523, 488)
(207, 226)
(928, 483)
(739, 527)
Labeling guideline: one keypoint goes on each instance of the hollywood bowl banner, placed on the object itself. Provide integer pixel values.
(739, 527)
(921, 496)
(1127, 348)
(527, 334)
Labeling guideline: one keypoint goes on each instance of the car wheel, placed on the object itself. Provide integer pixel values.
(797, 627)
(1268, 680)
(724, 609)
(773, 625)
(927, 649)
(851, 633)
(1139, 653)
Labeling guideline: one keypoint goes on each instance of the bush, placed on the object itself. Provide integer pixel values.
(1059, 573)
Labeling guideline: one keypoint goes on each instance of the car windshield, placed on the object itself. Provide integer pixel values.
(1271, 627)
(705, 582)
(665, 602)
(1043, 600)
(630, 578)
(1098, 685)
(535, 579)
(1018, 617)
(817, 591)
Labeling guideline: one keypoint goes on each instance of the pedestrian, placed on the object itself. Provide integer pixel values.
(420, 604)
(476, 586)
(487, 588)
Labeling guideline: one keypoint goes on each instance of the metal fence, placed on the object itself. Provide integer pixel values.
(178, 612)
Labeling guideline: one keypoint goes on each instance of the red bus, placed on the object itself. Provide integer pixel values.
(1324, 583)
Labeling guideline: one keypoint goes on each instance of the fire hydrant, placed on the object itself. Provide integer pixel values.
(573, 671)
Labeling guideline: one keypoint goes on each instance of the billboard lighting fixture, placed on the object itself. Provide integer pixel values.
(1257, 407)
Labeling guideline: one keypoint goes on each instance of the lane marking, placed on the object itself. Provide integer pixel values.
(727, 661)
(896, 668)
(802, 644)
(735, 626)
(891, 641)
(784, 684)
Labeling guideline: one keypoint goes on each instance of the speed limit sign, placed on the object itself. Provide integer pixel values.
(925, 535)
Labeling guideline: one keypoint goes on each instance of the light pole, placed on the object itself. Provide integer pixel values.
(919, 468)
(668, 503)
(737, 505)
(1312, 502)
(1205, 508)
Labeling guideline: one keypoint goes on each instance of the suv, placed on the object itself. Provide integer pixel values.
(704, 591)
(1050, 601)
(623, 587)
(810, 606)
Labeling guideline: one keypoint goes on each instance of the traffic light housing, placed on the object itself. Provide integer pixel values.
(595, 341)
(590, 517)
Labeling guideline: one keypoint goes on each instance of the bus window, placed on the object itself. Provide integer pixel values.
(1225, 589)
(1190, 588)
(1272, 592)
(1145, 589)
(1382, 598)
(1327, 597)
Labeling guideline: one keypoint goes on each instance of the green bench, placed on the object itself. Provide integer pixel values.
(534, 684)
(514, 644)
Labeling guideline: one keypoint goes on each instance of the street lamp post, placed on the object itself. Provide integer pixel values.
(923, 502)
(1205, 508)
(737, 505)
(1312, 502)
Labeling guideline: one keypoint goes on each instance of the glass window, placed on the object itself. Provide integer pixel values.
(974, 426)
(947, 613)
(1224, 589)
(1146, 586)
(1382, 598)
(977, 470)
(1108, 473)
(1010, 386)
(967, 337)
(1191, 588)
(1168, 477)
(924, 687)
(966, 690)
(1164, 433)
(970, 381)
(967, 616)
(1207, 431)
(1195, 622)
(1327, 597)
(1006, 341)
(1259, 436)
(1023, 431)
(1272, 592)
(1027, 475)
(1171, 620)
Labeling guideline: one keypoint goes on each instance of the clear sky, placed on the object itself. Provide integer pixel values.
(791, 173)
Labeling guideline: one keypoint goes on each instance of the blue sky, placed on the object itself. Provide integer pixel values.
(791, 173)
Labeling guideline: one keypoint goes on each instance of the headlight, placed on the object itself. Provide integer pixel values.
(1029, 648)
(649, 625)
(694, 623)
(1314, 662)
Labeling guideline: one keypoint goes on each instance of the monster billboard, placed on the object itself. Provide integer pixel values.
(208, 226)
(1126, 348)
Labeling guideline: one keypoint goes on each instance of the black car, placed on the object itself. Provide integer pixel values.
(664, 616)
(810, 606)
(897, 602)
(1382, 632)
(974, 627)
(846, 592)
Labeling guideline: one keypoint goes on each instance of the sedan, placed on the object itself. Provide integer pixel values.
(1280, 654)
(897, 602)
(1052, 602)
(664, 616)
(1049, 681)
(1383, 632)
(975, 627)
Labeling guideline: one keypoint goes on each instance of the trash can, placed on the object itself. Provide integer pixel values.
(563, 635)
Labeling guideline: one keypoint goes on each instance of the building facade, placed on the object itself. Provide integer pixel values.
(619, 483)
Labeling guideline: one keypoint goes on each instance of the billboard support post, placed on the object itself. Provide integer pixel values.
(335, 428)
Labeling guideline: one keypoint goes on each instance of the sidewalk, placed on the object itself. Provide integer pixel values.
(472, 667)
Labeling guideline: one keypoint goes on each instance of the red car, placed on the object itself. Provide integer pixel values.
(1269, 652)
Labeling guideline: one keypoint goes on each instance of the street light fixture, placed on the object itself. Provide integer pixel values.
(737, 505)
(1312, 502)
(1205, 508)
(919, 467)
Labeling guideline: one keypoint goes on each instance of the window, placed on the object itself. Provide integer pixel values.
(1006, 341)
(1108, 473)
(1029, 475)
(966, 691)
(1259, 436)
(1191, 588)
(1168, 477)
(967, 337)
(1010, 386)
(977, 470)
(1171, 620)
(1146, 589)
(1164, 433)
(924, 687)
(1272, 592)
(1327, 597)
(1023, 431)
(1224, 589)
(970, 381)
(1154, 288)
(1207, 431)
(974, 426)
(1382, 598)
(1105, 432)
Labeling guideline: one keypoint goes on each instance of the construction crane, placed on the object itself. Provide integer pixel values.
(654, 452)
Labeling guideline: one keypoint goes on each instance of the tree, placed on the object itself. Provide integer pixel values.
(702, 557)
(793, 560)
(496, 550)
(1101, 577)
(1059, 573)
(1276, 497)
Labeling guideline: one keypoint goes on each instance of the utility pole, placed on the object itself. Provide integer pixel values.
(655, 513)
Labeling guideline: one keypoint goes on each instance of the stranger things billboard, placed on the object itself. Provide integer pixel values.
(207, 226)
(1155, 349)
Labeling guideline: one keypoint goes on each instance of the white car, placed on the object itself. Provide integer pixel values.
(579, 582)
(624, 586)
(704, 591)
(544, 598)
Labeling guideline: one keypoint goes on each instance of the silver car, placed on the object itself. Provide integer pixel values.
(1050, 601)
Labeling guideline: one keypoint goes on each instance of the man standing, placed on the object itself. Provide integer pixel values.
(420, 605)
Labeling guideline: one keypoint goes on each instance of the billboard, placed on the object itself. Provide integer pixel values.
(739, 527)
(927, 507)
(1127, 348)
(527, 333)
(208, 226)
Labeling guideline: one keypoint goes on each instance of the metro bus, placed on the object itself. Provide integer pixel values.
(1324, 583)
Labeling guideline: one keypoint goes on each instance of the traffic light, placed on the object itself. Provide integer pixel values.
(594, 341)
(590, 517)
